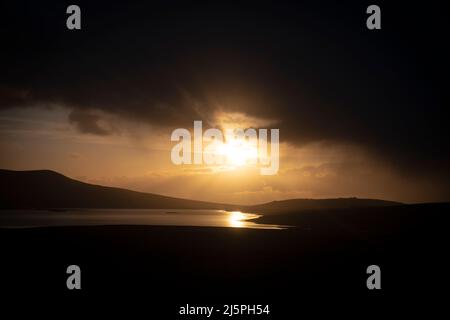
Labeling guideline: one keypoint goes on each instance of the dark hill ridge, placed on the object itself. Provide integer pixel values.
(44, 189)
(293, 205)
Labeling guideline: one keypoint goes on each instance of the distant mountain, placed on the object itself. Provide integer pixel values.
(318, 204)
(45, 189)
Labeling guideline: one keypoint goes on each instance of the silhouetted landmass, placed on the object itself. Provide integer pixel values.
(318, 204)
(367, 221)
(44, 189)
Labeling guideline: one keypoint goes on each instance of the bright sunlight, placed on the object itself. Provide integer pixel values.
(238, 152)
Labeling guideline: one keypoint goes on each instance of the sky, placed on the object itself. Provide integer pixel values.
(360, 112)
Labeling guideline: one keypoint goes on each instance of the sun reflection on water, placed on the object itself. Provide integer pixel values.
(238, 219)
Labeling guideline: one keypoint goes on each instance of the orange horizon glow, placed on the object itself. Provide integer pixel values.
(138, 158)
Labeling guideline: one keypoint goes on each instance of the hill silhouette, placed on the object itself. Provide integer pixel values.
(292, 205)
(46, 189)
(43, 189)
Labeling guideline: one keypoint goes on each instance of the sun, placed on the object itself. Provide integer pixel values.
(238, 152)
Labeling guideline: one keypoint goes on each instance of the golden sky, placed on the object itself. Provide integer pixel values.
(137, 156)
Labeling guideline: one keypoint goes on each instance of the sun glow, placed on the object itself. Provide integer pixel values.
(227, 149)
(238, 152)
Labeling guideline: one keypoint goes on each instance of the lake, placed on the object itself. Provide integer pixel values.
(155, 217)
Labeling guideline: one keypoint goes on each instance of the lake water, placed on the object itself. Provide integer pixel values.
(155, 217)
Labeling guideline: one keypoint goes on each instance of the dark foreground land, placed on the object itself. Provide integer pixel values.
(318, 266)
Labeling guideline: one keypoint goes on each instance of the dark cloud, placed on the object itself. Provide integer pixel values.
(87, 122)
(314, 67)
